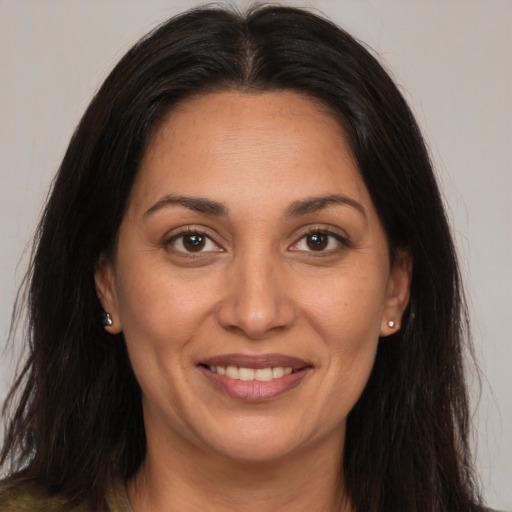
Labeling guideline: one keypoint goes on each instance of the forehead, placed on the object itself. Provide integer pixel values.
(234, 144)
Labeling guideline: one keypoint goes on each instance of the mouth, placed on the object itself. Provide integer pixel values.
(249, 374)
(254, 378)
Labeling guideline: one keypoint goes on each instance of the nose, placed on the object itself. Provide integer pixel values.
(257, 301)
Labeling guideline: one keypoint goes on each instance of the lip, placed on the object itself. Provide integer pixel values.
(255, 391)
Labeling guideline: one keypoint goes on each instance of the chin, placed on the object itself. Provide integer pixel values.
(261, 452)
(258, 444)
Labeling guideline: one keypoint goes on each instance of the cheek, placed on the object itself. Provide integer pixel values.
(347, 312)
(160, 315)
(161, 310)
(346, 307)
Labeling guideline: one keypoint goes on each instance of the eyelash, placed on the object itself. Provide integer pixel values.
(189, 232)
(206, 239)
(341, 241)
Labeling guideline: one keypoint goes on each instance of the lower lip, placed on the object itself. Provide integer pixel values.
(255, 390)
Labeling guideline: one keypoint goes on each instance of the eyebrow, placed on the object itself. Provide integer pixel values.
(296, 209)
(197, 204)
(314, 204)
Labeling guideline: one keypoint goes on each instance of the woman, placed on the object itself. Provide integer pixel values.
(244, 293)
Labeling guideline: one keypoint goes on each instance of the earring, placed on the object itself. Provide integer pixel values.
(391, 324)
(106, 319)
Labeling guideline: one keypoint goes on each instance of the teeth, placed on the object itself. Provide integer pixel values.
(232, 372)
(263, 374)
(248, 374)
(245, 374)
(277, 372)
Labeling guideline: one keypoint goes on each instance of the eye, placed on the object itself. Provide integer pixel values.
(193, 241)
(319, 241)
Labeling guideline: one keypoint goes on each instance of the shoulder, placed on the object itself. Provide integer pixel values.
(28, 497)
(117, 498)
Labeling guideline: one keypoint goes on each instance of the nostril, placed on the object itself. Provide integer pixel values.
(254, 317)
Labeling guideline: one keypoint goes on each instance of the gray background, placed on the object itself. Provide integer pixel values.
(452, 59)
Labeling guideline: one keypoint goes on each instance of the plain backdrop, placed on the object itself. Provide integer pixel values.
(451, 58)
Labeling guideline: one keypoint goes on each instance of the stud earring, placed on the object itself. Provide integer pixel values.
(106, 319)
(391, 324)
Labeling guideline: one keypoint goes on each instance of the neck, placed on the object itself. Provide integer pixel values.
(189, 480)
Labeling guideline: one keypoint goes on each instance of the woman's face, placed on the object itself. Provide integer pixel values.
(250, 249)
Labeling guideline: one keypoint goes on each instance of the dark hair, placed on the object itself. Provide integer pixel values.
(77, 419)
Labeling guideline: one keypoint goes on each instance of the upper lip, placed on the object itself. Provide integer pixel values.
(255, 361)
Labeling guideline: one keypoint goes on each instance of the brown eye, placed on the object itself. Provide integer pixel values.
(317, 241)
(194, 242)
(323, 243)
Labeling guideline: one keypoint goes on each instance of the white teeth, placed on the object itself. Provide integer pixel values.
(232, 372)
(277, 372)
(245, 374)
(263, 374)
(248, 374)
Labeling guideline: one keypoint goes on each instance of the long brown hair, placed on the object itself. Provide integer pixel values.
(76, 422)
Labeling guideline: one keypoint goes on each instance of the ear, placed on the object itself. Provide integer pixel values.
(105, 290)
(399, 286)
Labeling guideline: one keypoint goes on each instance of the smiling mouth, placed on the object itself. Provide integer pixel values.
(248, 374)
(254, 378)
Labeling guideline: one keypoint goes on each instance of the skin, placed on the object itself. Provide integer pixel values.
(257, 286)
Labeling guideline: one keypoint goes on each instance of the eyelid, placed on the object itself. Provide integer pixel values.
(334, 232)
(177, 233)
(341, 237)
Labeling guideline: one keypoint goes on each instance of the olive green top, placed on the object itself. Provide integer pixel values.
(28, 498)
